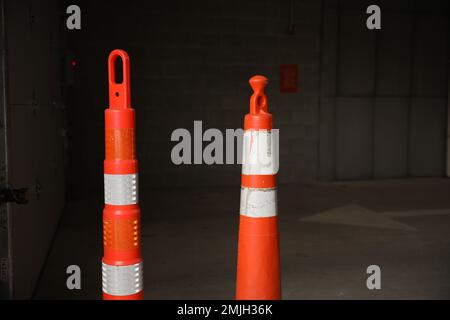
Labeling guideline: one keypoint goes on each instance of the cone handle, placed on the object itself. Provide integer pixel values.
(258, 101)
(119, 93)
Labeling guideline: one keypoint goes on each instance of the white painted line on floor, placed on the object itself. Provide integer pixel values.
(356, 215)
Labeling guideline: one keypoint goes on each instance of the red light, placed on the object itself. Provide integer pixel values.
(73, 63)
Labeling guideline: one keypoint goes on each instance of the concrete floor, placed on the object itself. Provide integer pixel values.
(190, 236)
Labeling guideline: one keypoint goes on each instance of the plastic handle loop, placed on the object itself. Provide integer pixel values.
(119, 93)
(258, 101)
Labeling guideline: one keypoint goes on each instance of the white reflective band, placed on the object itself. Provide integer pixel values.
(121, 189)
(122, 280)
(260, 152)
(258, 203)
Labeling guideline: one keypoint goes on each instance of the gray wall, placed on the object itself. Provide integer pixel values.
(370, 105)
(34, 140)
(384, 93)
(191, 60)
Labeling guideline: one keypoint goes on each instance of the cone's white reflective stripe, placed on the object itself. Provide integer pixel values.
(122, 280)
(258, 203)
(121, 189)
(260, 152)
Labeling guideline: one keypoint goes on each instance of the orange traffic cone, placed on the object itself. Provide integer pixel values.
(258, 266)
(122, 268)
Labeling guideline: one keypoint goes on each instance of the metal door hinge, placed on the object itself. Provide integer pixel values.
(18, 196)
(4, 270)
(3, 218)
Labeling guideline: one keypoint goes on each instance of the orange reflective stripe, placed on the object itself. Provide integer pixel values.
(121, 234)
(120, 144)
(260, 181)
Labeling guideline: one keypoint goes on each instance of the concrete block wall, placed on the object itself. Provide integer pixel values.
(191, 60)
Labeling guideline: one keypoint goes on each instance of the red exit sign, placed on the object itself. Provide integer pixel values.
(288, 78)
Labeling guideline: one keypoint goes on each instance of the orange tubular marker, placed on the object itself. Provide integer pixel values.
(122, 268)
(258, 266)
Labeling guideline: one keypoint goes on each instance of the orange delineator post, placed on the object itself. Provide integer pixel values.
(122, 265)
(258, 266)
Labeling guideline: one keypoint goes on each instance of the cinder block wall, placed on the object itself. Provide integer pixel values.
(191, 60)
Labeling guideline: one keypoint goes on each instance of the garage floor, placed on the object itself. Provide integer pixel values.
(330, 233)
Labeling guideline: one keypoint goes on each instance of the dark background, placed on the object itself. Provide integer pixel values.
(192, 61)
(370, 104)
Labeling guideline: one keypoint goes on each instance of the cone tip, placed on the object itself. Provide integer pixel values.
(258, 82)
